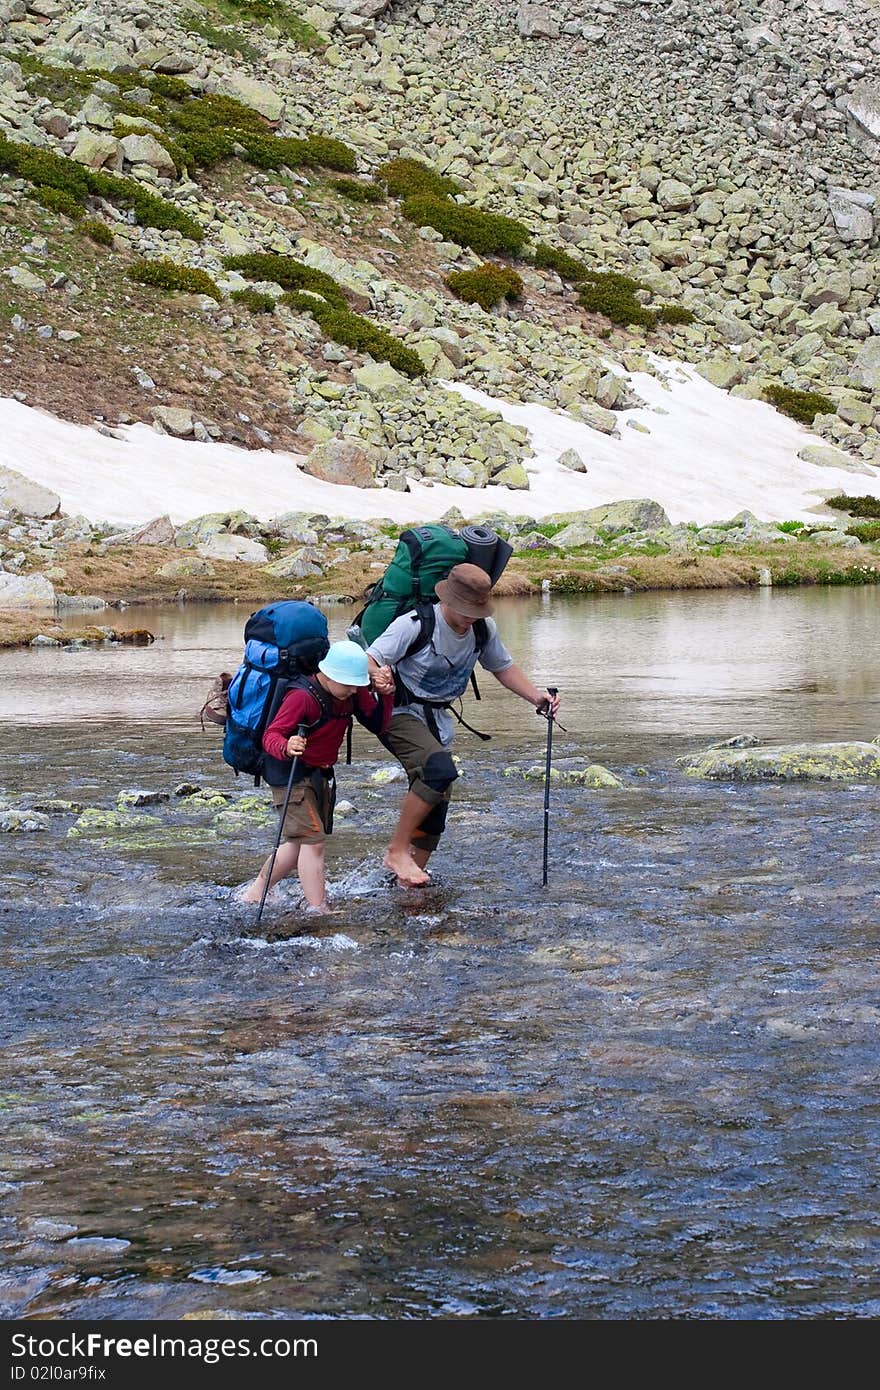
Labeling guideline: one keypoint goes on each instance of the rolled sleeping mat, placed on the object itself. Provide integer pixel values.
(486, 549)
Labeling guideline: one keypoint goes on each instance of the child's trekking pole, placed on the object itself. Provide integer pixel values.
(551, 691)
(301, 733)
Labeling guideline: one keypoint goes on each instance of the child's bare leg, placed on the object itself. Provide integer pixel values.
(285, 863)
(311, 875)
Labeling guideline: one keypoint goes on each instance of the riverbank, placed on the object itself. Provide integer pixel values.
(134, 580)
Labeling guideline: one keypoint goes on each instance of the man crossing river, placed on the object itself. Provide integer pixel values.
(428, 679)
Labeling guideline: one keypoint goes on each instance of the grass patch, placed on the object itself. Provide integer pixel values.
(856, 506)
(255, 300)
(487, 285)
(487, 233)
(358, 192)
(803, 406)
(790, 527)
(404, 178)
(169, 276)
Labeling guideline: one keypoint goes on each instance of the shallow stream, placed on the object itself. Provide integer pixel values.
(649, 1090)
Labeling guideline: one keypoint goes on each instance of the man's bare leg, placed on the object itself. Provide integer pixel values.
(398, 856)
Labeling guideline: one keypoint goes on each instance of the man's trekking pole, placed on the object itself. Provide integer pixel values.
(551, 691)
(294, 766)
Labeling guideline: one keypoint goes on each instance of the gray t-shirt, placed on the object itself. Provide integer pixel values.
(442, 669)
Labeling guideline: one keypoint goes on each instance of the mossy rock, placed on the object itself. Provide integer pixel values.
(793, 762)
(95, 821)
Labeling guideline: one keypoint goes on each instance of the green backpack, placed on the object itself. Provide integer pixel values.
(424, 555)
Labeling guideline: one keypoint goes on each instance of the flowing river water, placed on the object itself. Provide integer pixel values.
(648, 1090)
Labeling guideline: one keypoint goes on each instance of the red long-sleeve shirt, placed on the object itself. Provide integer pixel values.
(299, 706)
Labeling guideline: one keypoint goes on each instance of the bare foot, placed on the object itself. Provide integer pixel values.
(322, 909)
(251, 894)
(408, 872)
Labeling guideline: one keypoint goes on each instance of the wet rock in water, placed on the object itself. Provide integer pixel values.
(95, 821)
(95, 1247)
(345, 808)
(738, 741)
(134, 796)
(55, 806)
(790, 762)
(383, 775)
(595, 776)
(187, 789)
(207, 799)
(16, 821)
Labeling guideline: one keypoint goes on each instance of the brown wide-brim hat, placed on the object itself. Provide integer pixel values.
(466, 590)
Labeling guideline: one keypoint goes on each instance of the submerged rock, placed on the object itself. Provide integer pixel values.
(21, 820)
(788, 762)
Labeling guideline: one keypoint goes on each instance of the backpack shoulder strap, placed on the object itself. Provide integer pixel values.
(481, 634)
(320, 696)
(425, 615)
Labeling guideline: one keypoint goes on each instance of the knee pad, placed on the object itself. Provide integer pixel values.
(439, 772)
(435, 821)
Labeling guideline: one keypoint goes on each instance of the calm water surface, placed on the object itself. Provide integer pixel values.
(650, 1090)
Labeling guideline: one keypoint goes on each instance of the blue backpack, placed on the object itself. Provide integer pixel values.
(283, 644)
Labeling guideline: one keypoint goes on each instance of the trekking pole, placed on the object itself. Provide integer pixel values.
(551, 691)
(301, 733)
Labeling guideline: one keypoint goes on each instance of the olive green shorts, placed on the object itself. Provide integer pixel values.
(413, 744)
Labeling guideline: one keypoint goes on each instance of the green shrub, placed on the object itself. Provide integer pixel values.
(96, 231)
(485, 232)
(168, 275)
(209, 114)
(44, 169)
(255, 300)
(48, 170)
(351, 330)
(567, 267)
(330, 153)
(790, 527)
(487, 285)
(614, 277)
(57, 200)
(224, 40)
(803, 406)
(204, 149)
(358, 192)
(867, 531)
(674, 313)
(609, 294)
(406, 177)
(281, 17)
(271, 151)
(304, 301)
(856, 506)
(172, 88)
(288, 273)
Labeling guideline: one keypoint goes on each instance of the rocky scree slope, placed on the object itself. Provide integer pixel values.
(725, 158)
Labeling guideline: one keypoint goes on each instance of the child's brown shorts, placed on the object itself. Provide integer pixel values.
(305, 817)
